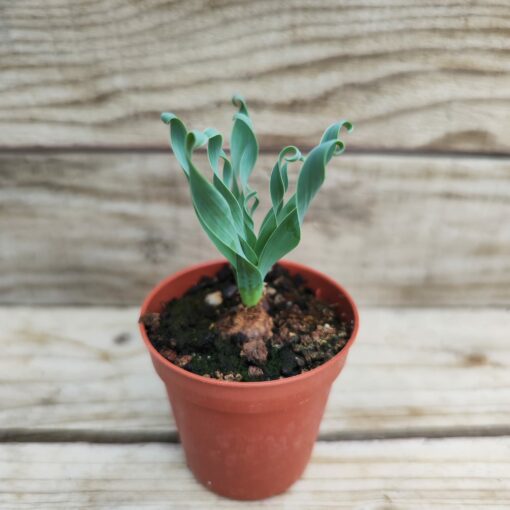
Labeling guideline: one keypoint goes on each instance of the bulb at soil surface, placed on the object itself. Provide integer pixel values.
(253, 323)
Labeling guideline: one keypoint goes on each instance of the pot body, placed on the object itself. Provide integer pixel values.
(248, 440)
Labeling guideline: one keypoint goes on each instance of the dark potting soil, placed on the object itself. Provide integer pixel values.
(209, 332)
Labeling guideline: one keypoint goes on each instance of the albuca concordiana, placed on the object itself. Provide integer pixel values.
(225, 206)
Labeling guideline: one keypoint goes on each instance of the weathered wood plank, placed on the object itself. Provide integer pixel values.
(417, 74)
(104, 228)
(390, 475)
(412, 371)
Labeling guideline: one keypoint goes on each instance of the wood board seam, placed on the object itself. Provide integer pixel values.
(19, 435)
(267, 150)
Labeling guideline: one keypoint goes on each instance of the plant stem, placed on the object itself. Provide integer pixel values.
(251, 296)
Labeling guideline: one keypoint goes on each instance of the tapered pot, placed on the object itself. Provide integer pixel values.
(248, 440)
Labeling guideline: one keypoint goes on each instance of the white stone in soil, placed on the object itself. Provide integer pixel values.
(214, 298)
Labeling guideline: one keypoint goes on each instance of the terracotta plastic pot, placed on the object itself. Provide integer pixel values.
(248, 440)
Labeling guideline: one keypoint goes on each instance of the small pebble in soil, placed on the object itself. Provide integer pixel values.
(183, 360)
(227, 377)
(214, 298)
(255, 350)
(279, 300)
(255, 372)
(300, 361)
(169, 354)
(151, 320)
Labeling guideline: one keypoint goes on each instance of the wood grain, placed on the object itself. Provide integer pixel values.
(104, 228)
(410, 74)
(390, 475)
(82, 373)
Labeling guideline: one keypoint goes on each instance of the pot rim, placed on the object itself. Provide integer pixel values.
(245, 384)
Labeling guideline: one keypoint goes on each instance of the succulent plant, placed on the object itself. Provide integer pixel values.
(225, 205)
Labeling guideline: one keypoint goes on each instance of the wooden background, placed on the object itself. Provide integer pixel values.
(94, 209)
(414, 220)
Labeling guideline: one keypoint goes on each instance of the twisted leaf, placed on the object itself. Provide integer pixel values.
(313, 173)
(283, 239)
(177, 139)
(279, 182)
(213, 209)
(244, 148)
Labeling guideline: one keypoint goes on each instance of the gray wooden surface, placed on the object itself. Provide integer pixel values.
(414, 221)
(419, 74)
(442, 474)
(104, 228)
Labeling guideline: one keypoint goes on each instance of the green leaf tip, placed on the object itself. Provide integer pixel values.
(225, 203)
(167, 117)
(349, 126)
(239, 102)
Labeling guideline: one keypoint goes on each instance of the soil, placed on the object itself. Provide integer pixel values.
(209, 332)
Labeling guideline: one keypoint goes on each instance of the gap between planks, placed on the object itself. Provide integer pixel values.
(265, 150)
(20, 435)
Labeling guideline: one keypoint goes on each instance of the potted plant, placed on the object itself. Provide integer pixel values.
(249, 346)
